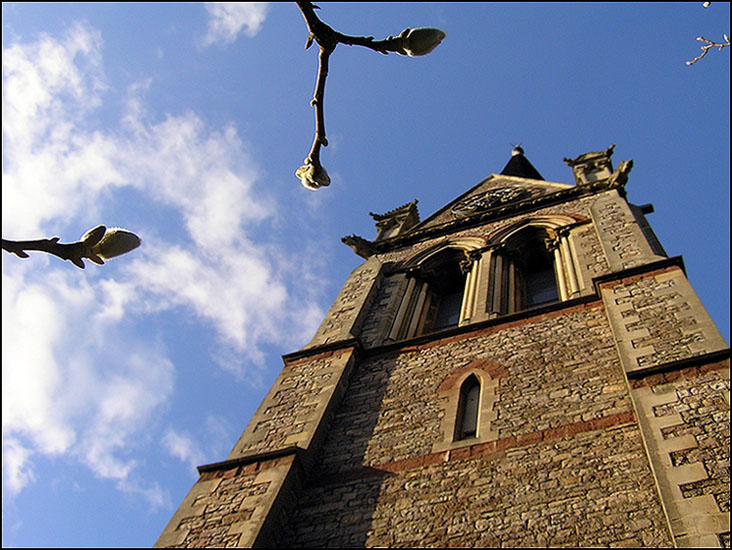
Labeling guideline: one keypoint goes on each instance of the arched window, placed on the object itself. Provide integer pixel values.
(468, 400)
(525, 265)
(434, 298)
(524, 272)
(468, 407)
(446, 282)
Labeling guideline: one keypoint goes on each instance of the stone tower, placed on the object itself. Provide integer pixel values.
(524, 367)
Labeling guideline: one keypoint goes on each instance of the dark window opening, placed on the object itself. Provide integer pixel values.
(525, 274)
(540, 284)
(468, 407)
(448, 310)
(446, 288)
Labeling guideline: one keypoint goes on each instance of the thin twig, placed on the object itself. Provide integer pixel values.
(318, 102)
(708, 46)
(313, 174)
(327, 41)
(97, 245)
(74, 252)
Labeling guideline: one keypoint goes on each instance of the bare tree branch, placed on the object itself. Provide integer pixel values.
(96, 245)
(708, 45)
(411, 42)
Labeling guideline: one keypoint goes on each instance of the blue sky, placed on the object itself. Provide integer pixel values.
(185, 123)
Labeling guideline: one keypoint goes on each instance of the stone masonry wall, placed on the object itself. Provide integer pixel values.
(623, 240)
(585, 489)
(227, 507)
(345, 316)
(567, 467)
(295, 407)
(685, 414)
(240, 504)
(657, 318)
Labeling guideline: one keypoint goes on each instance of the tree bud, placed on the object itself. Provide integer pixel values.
(420, 41)
(116, 242)
(312, 178)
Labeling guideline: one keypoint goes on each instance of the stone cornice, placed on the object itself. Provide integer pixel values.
(719, 356)
(329, 348)
(632, 272)
(250, 459)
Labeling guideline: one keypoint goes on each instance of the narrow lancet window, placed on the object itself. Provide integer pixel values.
(468, 407)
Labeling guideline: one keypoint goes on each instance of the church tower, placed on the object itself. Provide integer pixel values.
(524, 367)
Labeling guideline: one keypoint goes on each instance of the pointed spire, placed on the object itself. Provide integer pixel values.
(519, 166)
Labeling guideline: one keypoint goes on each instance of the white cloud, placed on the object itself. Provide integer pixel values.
(48, 88)
(134, 383)
(71, 384)
(206, 174)
(227, 19)
(34, 322)
(182, 447)
(16, 471)
(76, 382)
(153, 494)
(238, 293)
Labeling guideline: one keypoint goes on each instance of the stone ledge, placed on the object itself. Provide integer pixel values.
(715, 360)
(632, 274)
(266, 456)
